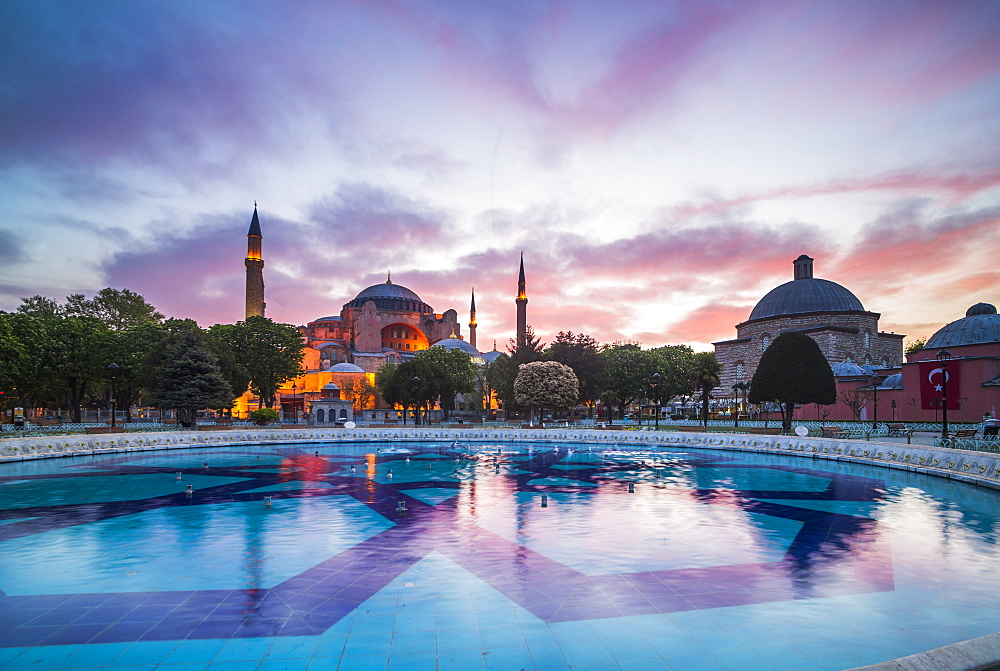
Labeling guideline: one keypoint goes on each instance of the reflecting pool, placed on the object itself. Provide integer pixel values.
(485, 556)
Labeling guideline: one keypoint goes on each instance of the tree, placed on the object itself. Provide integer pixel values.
(78, 351)
(705, 376)
(499, 376)
(629, 372)
(359, 390)
(674, 364)
(793, 370)
(41, 307)
(854, 399)
(120, 309)
(13, 354)
(546, 384)
(533, 349)
(916, 345)
(270, 353)
(459, 373)
(581, 353)
(190, 380)
(414, 383)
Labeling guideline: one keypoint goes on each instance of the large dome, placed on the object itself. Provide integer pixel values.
(981, 325)
(806, 295)
(389, 296)
(452, 342)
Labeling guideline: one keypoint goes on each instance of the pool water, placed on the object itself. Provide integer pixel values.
(485, 556)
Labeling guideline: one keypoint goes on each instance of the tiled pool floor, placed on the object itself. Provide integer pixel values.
(445, 556)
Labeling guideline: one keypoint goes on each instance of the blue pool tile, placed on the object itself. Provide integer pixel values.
(739, 660)
(700, 662)
(194, 651)
(243, 649)
(283, 665)
(358, 662)
(292, 647)
(426, 661)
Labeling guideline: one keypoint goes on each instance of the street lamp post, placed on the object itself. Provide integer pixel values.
(295, 410)
(736, 412)
(656, 397)
(416, 405)
(874, 403)
(943, 357)
(113, 371)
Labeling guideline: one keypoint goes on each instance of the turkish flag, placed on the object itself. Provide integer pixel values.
(932, 384)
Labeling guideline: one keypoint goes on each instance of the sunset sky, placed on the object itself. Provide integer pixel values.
(659, 163)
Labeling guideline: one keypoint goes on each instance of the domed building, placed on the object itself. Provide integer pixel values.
(967, 350)
(826, 311)
(384, 323)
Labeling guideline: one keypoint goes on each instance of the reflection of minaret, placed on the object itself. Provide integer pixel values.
(255, 269)
(472, 319)
(522, 309)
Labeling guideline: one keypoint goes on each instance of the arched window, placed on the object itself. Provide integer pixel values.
(765, 342)
(868, 340)
(740, 370)
(321, 416)
(343, 413)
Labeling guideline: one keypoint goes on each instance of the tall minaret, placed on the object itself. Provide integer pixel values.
(255, 269)
(472, 319)
(522, 309)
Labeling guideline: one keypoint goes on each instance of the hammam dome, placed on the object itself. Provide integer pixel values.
(981, 325)
(805, 294)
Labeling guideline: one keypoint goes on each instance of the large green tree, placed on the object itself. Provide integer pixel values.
(190, 380)
(546, 384)
(459, 377)
(120, 309)
(629, 372)
(412, 384)
(499, 376)
(793, 371)
(580, 352)
(270, 353)
(78, 353)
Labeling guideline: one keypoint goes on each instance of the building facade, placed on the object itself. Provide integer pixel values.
(826, 311)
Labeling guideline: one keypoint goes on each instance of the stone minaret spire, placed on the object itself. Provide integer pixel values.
(255, 269)
(522, 309)
(472, 319)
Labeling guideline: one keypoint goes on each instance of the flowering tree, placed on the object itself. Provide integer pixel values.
(546, 384)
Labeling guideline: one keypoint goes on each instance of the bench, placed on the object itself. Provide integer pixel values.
(831, 432)
(898, 429)
(965, 433)
(103, 429)
(765, 431)
(690, 429)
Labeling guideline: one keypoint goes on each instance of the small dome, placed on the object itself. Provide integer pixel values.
(894, 381)
(847, 369)
(981, 309)
(452, 342)
(491, 356)
(980, 326)
(345, 367)
(329, 386)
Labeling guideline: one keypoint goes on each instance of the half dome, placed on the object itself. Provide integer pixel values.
(453, 342)
(980, 326)
(344, 367)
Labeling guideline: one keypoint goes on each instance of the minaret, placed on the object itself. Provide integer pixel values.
(522, 309)
(472, 319)
(255, 269)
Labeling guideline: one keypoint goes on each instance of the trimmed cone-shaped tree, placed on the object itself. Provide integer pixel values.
(793, 370)
(190, 380)
(546, 384)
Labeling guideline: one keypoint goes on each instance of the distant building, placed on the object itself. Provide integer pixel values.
(826, 311)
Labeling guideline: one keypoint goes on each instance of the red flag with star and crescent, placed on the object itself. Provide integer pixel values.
(932, 385)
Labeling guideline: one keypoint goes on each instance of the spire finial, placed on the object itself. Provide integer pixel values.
(388, 277)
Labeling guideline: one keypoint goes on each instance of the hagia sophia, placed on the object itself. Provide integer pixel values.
(389, 323)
